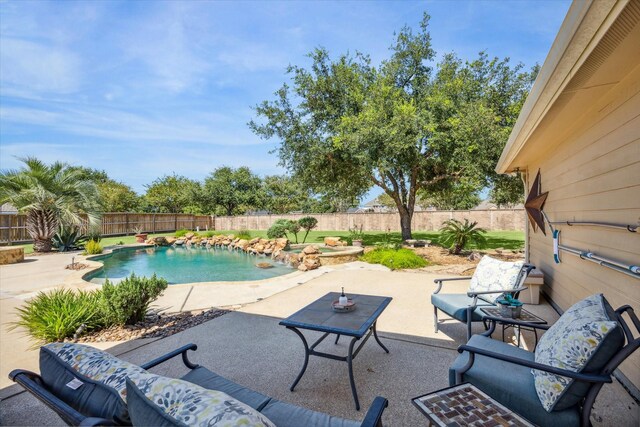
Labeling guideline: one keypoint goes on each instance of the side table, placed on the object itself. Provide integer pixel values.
(525, 316)
(466, 405)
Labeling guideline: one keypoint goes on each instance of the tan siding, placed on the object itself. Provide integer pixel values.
(594, 174)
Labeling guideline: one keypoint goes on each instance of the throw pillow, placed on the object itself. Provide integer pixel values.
(159, 401)
(494, 275)
(584, 339)
(90, 380)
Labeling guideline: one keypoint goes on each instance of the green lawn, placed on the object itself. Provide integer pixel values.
(495, 239)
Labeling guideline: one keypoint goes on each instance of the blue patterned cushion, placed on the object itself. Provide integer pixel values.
(494, 275)
(583, 340)
(90, 380)
(160, 401)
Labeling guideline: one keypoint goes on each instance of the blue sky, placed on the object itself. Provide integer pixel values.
(143, 88)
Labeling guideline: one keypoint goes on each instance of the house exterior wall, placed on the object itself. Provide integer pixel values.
(593, 174)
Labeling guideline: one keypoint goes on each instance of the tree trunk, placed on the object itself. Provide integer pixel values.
(405, 223)
(41, 226)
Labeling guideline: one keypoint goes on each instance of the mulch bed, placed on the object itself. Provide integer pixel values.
(156, 326)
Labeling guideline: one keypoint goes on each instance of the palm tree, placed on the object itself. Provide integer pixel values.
(456, 235)
(49, 195)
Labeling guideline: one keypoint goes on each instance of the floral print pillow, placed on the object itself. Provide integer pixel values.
(569, 344)
(193, 405)
(96, 364)
(495, 275)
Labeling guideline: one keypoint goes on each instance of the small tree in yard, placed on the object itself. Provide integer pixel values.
(127, 302)
(456, 235)
(308, 223)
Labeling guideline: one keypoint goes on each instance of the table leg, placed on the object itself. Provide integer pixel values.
(350, 363)
(337, 338)
(375, 335)
(516, 330)
(306, 357)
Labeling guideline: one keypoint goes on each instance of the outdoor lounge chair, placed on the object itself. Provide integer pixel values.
(491, 279)
(557, 384)
(86, 401)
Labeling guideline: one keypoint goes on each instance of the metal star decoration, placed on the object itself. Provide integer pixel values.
(535, 203)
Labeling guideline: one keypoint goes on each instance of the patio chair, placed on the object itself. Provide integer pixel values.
(557, 384)
(108, 395)
(491, 279)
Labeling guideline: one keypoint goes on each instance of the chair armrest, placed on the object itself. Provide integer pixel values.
(33, 384)
(517, 322)
(94, 422)
(591, 378)
(182, 350)
(439, 282)
(502, 291)
(373, 418)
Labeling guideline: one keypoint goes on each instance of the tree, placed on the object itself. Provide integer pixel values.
(308, 223)
(234, 190)
(283, 194)
(452, 195)
(117, 197)
(49, 195)
(396, 126)
(174, 194)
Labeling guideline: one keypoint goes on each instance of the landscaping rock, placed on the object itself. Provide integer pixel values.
(160, 241)
(332, 241)
(310, 250)
(475, 256)
(171, 240)
(264, 265)
(189, 236)
(179, 242)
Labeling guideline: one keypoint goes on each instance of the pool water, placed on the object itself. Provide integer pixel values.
(186, 265)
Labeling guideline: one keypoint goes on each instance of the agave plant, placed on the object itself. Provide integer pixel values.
(456, 235)
(49, 195)
(68, 238)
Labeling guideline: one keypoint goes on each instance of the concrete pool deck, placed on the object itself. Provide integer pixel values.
(266, 347)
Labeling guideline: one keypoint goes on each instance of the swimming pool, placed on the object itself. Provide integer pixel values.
(185, 265)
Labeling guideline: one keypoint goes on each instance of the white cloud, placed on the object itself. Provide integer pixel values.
(36, 68)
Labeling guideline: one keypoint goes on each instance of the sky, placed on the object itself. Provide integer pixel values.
(141, 89)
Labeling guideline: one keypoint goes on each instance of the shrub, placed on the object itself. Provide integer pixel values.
(92, 248)
(308, 223)
(57, 314)
(278, 229)
(67, 238)
(456, 235)
(95, 234)
(127, 302)
(209, 234)
(395, 259)
(244, 234)
(182, 233)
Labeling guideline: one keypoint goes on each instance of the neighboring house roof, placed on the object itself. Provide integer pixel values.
(7, 208)
(573, 77)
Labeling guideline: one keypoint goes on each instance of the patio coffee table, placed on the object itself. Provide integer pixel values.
(359, 323)
(466, 405)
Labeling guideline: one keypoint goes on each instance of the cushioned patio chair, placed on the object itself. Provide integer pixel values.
(88, 387)
(491, 279)
(557, 384)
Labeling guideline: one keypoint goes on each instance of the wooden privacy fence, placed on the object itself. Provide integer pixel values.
(13, 227)
(491, 219)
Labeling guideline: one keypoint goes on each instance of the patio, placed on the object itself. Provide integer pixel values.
(249, 347)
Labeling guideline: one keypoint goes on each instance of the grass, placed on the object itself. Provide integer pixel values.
(395, 259)
(494, 239)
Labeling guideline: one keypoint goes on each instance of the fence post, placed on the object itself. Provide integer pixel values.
(126, 224)
(154, 223)
(10, 224)
(175, 222)
(193, 222)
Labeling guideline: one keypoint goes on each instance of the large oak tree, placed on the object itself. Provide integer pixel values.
(345, 125)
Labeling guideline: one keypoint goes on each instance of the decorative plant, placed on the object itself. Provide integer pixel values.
(456, 235)
(395, 259)
(92, 248)
(308, 223)
(58, 314)
(181, 233)
(509, 300)
(128, 301)
(356, 233)
(244, 234)
(67, 238)
(138, 230)
(281, 227)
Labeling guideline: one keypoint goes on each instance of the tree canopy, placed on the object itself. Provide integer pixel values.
(233, 190)
(345, 125)
(174, 194)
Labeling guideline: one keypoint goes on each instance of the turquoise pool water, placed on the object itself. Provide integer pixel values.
(186, 265)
